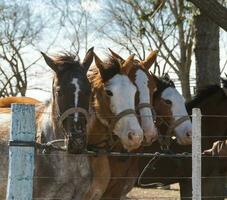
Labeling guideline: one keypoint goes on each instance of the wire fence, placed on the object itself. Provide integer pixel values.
(186, 155)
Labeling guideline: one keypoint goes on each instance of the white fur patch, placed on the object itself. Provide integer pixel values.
(76, 94)
(124, 98)
(4, 117)
(141, 81)
(179, 110)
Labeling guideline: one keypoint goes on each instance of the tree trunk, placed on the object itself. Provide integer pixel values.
(214, 10)
(206, 52)
(185, 85)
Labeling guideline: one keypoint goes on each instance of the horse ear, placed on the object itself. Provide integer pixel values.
(50, 62)
(117, 56)
(150, 59)
(100, 65)
(166, 77)
(88, 58)
(128, 64)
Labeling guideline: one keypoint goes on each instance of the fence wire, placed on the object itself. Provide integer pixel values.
(120, 154)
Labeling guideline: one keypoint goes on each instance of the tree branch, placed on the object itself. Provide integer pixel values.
(214, 10)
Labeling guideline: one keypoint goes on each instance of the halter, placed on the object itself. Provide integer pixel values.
(80, 140)
(64, 115)
(111, 142)
(147, 105)
(171, 127)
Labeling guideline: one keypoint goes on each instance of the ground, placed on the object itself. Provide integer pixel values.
(152, 194)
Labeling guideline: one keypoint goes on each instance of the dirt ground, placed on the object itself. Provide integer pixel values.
(159, 194)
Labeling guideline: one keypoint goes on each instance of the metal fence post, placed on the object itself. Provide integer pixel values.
(196, 154)
(21, 152)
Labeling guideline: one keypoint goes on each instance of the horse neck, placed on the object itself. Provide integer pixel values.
(96, 130)
(54, 118)
(46, 120)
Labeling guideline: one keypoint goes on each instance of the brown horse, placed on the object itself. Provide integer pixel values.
(146, 85)
(7, 101)
(126, 170)
(62, 118)
(212, 101)
(114, 115)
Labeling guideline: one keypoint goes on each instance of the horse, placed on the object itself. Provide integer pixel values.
(146, 87)
(114, 121)
(127, 167)
(212, 101)
(7, 101)
(62, 118)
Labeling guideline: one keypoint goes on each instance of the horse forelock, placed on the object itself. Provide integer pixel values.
(67, 61)
(162, 84)
(66, 57)
(111, 67)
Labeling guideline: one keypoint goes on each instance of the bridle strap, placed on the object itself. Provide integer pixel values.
(110, 140)
(177, 123)
(147, 105)
(118, 117)
(164, 144)
(71, 111)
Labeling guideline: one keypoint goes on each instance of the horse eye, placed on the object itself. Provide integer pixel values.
(168, 102)
(57, 89)
(109, 93)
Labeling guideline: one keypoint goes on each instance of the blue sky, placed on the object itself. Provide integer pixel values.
(41, 75)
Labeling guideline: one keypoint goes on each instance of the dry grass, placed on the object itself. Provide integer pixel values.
(159, 194)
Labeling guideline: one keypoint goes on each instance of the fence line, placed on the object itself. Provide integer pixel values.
(22, 125)
(21, 154)
(196, 154)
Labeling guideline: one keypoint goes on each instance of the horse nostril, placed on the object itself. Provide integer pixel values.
(130, 135)
(188, 134)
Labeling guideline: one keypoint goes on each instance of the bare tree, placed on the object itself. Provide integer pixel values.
(19, 29)
(206, 52)
(75, 22)
(214, 10)
(164, 25)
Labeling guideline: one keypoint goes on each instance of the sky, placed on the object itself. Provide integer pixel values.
(41, 75)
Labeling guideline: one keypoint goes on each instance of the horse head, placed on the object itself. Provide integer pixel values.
(174, 119)
(114, 101)
(70, 94)
(146, 86)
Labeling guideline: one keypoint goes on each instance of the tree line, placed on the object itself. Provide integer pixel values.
(177, 28)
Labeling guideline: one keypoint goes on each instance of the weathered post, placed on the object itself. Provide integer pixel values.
(196, 154)
(21, 152)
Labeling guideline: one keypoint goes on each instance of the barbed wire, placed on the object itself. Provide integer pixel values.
(130, 115)
(173, 137)
(124, 177)
(122, 154)
(142, 198)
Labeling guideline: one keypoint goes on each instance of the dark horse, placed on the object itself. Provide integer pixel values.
(213, 104)
(62, 119)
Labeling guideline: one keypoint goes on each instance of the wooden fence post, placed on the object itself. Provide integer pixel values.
(21, 152)
(196, 154)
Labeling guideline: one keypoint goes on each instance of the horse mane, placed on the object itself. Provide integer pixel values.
(111, 68)
(202, 94)
(66, 57)
(162, 83)
(66, 60)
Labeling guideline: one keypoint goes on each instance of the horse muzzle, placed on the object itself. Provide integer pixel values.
(76, 142)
